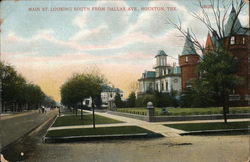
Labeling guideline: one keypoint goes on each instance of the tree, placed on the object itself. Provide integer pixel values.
(218, 71)
(215, 22)
(16, 91)
(142, 100)
(82, 86)
(118, 100)
(166, 99)
(49, 101)
(131, 99)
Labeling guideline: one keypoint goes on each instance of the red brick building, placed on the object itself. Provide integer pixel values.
(188, 61)
(238, 44)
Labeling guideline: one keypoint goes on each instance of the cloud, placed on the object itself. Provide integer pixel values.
(101, 27)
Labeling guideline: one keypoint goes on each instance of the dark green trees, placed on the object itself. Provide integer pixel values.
(118, 101)
(131, 99)
(80, 87)
(17, 94)
(218, 75)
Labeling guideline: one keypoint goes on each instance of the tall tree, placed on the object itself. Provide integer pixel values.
(118, 100)
(16, 91)
(131, 99)
(218, 71)
(80, 87)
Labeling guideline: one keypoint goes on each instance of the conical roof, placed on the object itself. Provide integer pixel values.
(188, 48)
(161, 53)
(237, 28)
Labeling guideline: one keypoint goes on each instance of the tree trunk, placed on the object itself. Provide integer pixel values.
(225, 108)
(93, 112)
(225, 114)
(81, 110)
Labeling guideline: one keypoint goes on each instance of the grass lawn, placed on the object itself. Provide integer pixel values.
(97, 131)
(209, 126)
(186, 111)
(87, 120)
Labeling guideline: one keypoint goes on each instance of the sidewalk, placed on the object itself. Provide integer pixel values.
(90, 126)
(158, 127)
(155, 127)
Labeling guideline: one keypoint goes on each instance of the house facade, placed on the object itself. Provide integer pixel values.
(164, 78)
(107, 97)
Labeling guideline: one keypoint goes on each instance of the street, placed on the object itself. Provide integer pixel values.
(181, 148)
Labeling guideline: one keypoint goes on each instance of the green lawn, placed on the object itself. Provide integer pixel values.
(209, 126)
(97, 131)
(87, 120)
(185, 111)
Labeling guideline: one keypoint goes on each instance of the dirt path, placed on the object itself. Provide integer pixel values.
(176, 149)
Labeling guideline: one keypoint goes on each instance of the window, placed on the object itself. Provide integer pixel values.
(186, 59)
(162, 87)
(243, 40)
(232, 40)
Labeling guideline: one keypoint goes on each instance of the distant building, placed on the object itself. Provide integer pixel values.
(107, 96)
(164, 79)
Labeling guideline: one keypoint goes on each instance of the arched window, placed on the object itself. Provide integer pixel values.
(232, 40)
(186, 59)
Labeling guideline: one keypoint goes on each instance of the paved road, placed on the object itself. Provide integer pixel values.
(176, 149)
(222, 148)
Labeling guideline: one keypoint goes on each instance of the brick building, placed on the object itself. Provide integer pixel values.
(238, 44)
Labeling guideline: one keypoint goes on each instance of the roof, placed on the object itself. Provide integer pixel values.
(161, 53)
(237, 29)
(106, 88)
(149, 74)
(215, 40)
(188, 48)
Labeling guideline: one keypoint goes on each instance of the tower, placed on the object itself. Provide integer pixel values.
(237, 40)
(161, 63)
(188, 61)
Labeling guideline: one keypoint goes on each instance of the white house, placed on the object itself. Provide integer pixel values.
(107, 96)
(164, 79)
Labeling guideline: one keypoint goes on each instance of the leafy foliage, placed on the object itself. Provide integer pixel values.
(131, 99)
(118, 101)
(81, 86)
(17, 91)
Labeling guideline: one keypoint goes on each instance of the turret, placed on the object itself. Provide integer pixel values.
(161, 63)
(188, 61)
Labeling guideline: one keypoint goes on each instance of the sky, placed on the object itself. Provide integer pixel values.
(48, 41)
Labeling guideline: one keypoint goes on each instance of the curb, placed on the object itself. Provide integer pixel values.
(27, 133)
(100, 137)
(207, 132)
